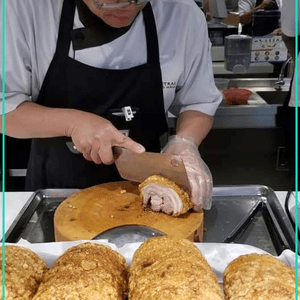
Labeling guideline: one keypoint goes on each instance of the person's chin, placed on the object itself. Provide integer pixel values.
(118, 21)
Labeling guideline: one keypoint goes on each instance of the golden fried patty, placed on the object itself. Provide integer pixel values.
(170, 268)
(86, 271)
(259, 277)
(23, 272)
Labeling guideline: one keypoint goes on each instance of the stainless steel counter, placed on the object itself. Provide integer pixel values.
(258, 113)
(249, 215)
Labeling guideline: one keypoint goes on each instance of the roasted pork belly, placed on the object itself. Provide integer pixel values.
(162, 194)
(167, 268)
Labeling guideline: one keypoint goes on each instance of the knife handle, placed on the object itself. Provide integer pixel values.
(116, 151)
(72, 147)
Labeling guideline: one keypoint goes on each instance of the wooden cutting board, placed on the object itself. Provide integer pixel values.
(94, 210)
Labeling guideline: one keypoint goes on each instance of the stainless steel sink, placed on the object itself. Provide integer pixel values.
(273, 97)
(264, 88)
(259, 84)
(261, 115)
(262, 107)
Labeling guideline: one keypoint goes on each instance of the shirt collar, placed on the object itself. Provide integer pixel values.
(95, 31)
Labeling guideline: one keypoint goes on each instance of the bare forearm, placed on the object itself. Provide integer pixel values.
(93, 135)
(194, 124)
(247, 17)
(30, 120)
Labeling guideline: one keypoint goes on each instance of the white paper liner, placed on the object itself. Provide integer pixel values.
(218, 255)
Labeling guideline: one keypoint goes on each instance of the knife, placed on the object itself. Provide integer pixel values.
(138, 167)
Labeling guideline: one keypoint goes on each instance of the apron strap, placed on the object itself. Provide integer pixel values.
(151, 35)
(65, 28)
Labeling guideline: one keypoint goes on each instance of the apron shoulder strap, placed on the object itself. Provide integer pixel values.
(151, 34)
(65, 27)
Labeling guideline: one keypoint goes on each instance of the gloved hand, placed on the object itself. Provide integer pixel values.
(198, 173)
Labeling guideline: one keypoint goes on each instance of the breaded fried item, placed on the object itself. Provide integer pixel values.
(162, 194)
(23, 272)
(171, 268)
(259, 277)
(86, 271)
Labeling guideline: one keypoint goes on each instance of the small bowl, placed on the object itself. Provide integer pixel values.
(236, 96)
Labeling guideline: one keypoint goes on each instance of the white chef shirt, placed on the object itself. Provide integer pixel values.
(288, 28)
(247, 5)
(187, 74)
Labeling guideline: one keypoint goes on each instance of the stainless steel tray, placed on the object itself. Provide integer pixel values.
(249, 215)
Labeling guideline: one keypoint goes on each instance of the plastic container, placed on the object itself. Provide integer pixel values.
(236, 96)
(221, 83)
(237, 53)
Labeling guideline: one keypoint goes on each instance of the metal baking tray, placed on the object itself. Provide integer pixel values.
(249, 215)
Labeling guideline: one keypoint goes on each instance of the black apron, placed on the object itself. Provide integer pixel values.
(72, 84)
(262, 26)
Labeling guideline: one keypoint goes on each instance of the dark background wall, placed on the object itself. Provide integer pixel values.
(234, 156)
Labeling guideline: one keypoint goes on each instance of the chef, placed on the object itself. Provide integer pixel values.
(93, 71)
(248, 7)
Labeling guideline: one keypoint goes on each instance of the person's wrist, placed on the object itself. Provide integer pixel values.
(72, 119)
(257, 8)
(182, 138)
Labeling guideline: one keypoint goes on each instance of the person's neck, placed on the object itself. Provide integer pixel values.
(86, 17)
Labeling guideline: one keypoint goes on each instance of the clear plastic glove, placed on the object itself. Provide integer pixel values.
(198, 173)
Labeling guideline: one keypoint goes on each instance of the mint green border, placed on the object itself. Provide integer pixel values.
(3, 147)
(296, 148)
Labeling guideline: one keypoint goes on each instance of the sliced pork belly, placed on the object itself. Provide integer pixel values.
(162, 194)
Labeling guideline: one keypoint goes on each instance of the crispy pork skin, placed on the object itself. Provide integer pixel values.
(162, 194)
(167, 268)
(259, 277)
(86, 271)
(24, 271)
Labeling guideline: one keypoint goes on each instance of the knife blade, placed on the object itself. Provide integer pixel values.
(138, 167)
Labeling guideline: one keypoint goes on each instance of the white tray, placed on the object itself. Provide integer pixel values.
(218, 255)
